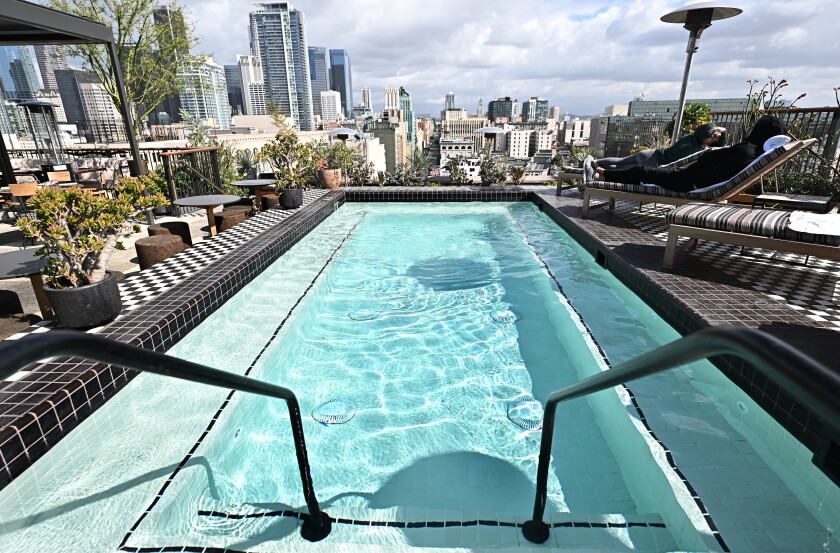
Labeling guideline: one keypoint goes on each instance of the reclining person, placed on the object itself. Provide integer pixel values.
(704, 136)
(711, 168)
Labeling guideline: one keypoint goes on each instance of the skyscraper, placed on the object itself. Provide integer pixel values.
(366, 103)
(479, 111)
(88, 105)
(171, 21)
(408, 113)
(319, 75)
(341, 78)
(392, 97)
(278, 38)
(534, 109)
(330, 101)
(49, 59)
(253, 87)
(204, 95)
(236, 98)
(499, 108)
(450, 101)
(18, 73)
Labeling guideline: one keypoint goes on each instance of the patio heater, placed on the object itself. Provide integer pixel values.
(44, 130)
(696, 18)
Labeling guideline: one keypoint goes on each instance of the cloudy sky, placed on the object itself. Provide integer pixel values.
(579, 54)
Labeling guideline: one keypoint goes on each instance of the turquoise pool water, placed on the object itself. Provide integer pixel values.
(428, 321)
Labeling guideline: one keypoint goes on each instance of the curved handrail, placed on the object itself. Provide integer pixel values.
(807, 380)
(36, 347)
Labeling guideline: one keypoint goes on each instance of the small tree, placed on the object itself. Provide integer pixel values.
(490, 169)
(152, 54)
(517, 173)
(293, 162)
(456, 171)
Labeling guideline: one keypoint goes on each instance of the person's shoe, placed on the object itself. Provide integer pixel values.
(594, 164)
(588, 169)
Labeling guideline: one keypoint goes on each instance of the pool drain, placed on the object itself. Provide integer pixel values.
(363, 314)
(505, 316)
(335, 411)
(526, 414)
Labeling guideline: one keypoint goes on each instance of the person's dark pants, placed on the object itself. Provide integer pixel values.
(666, 177)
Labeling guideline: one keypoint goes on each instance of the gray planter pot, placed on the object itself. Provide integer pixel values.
(291, 198)
(86, 306)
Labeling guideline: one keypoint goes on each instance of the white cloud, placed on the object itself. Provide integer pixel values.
(581, 55)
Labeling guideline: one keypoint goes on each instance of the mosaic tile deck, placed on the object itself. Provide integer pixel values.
(714, 285)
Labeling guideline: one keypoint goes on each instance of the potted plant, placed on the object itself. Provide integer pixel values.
(334, 162)
(293, 163)
(155, 184)
(79, 232)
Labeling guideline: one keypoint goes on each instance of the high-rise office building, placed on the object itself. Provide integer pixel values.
(253, 87)
(341, 78)
(236, 98)
(408, 115)
(392, 97)
(554, 113)
(319, 75)
(88, 105)
(18, 73)
(500, 108)
(479, 111)
(278, 38)
(330, 102)
(204, 95)
(49, 59)
(366, 103)
(449, 103)
(171, 22)
(534, 109)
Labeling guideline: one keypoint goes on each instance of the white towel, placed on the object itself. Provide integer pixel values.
(815, 223)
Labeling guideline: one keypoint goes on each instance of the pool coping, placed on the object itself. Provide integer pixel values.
(76, 388)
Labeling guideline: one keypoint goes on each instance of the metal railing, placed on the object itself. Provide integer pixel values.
(193, 172)
(22, 353)
(808, 381)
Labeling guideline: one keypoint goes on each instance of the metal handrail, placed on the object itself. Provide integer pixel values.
(807, 380)
(19, 354)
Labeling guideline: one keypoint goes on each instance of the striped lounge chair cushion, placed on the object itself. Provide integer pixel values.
(743, 175)
(744, 220)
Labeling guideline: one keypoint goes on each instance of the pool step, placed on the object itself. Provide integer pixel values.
(419, 527)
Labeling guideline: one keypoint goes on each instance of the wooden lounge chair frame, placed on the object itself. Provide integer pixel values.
(791, 149)
(675, 232)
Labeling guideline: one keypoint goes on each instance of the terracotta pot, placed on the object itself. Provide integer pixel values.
(86, 306)
(329, 178)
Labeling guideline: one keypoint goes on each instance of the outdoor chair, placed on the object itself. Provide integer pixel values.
(20, 192)
(745, 226)
(721, 192)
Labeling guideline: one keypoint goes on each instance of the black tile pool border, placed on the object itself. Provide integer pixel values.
(71, 389)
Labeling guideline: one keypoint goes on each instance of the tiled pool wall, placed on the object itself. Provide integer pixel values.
(795, 417)
(75, 388)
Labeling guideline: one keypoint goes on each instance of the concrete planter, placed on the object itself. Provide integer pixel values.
(291, 198)
(86, 306)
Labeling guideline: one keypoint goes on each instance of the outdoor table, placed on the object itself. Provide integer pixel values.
(25, 263)
(256, 186)
(209, 203)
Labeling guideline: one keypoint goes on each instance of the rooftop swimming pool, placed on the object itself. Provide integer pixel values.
(421, 340)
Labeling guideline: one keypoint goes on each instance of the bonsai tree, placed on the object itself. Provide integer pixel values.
(292, 160)
(80, 231)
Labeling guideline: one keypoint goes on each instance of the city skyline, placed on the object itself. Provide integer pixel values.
(579, 55)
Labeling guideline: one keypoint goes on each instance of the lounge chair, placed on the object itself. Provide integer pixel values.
(743, 226)
(715, 194)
